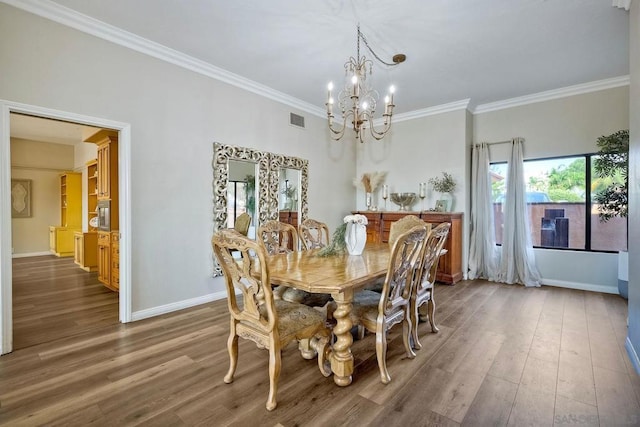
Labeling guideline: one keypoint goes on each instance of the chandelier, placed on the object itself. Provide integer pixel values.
(357, 101)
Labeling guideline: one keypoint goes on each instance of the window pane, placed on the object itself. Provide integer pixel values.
(236, 201)
(612, 234)
(555, 192)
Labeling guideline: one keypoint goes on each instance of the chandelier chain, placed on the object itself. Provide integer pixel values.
(366, 43)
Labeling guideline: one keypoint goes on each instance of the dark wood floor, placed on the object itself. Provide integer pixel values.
(505, 355)
(53, 298)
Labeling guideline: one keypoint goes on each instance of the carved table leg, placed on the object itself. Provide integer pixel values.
(341, 357)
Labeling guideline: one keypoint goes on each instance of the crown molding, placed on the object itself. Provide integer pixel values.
(71, 18)
(432, 111)
(554, 94)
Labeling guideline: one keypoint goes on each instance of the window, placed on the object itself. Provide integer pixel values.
(236, 201)
(562, 211)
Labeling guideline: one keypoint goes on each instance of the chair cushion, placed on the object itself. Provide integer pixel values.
(293, 317)
(365, 305)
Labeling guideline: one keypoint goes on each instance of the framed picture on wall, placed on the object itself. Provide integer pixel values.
(20, 198)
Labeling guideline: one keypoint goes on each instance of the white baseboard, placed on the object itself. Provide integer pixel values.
(633, 356)
(175, 306)
(580, 286)
(31, 254)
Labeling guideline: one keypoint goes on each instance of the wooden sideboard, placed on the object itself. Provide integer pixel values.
(450, 264)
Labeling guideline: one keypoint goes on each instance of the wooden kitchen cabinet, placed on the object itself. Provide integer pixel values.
(61, 242)
(86, 250)
(450, 264)
(92, 192)
(107, 170)
(109, 259)
(115, 260)
(104, 258)
(107, 162)
(61, 237)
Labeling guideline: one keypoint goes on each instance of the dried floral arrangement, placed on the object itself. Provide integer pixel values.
(446, 184)
(370, 181)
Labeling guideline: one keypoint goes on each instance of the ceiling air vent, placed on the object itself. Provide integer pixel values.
(296, 120)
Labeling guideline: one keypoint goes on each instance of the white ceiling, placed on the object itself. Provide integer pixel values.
(482, 50)
(46, 130)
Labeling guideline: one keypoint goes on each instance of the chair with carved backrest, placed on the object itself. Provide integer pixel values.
(425, 280)
(403, 224)
(313, 234)
(378, 312)
(277, 238)
(397, 228)
(270, 323)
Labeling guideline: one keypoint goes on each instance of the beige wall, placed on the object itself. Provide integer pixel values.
(558, 127)
(416, 150)
(42, 163)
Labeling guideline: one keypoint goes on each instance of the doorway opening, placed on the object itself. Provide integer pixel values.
(41, 295)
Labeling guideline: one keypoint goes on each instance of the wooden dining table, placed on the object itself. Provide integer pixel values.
(341, 276)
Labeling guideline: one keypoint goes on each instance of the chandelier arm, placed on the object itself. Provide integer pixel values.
(378, 134)
(338, 133)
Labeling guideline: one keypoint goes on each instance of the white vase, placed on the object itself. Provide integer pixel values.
(355, 238)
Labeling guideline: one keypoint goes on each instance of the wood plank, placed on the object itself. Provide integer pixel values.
(492, 404)
(571, 412)
(575, 378)
(617, 404)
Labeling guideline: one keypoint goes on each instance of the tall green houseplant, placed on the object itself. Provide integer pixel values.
(612, 166)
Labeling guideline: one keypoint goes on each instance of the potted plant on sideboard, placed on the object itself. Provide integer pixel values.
(612, 165)
(446, 186)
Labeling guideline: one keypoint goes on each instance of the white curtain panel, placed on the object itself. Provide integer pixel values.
(482, 250)
(517, 264)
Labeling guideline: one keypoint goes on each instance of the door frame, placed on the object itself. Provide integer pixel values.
(124, 189)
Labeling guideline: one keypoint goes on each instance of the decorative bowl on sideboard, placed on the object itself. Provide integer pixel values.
(403, 200)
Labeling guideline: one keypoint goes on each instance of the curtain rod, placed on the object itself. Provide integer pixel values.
(498, 142)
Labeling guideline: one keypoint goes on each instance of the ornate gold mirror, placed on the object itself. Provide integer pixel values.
(240, 184)
(237, 169)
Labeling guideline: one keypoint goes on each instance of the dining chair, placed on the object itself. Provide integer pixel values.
(270, 323)
(397, 228)
(379, 312)
(425, 280)
(313, 234)
(242, 223)
(278, 238)
(403, 224)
